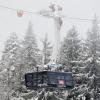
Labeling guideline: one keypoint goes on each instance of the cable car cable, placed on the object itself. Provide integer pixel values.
(31, 12)
(82, 19)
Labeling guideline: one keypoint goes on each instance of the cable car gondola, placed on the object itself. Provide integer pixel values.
(49, 79)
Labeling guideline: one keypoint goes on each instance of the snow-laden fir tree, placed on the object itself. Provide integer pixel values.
(10, 51)
(47, 50)
(70, 49)
(93, 59)
(93, 44)
(31, 55)
(88, 81)
(9, 63)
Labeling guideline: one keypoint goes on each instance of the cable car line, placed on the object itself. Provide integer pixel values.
(31, 12)
(82, 19)
(15, 9)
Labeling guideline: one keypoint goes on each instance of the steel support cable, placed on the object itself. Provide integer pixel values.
(31, 12)
(15, 9)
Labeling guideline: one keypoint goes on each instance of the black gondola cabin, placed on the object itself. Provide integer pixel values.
(49, 79)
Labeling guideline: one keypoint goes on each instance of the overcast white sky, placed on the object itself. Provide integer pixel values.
(9, 22)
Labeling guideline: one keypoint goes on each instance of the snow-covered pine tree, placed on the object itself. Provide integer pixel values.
(70, 49)
(30, 53)
(47, 50)
(89, 79)
(9, 62)
(73, 55)
(89, 87)
(93, 59)
(10, 51)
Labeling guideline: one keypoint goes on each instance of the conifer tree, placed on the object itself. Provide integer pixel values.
(9, 62)
(89, 79)
(93, 58)
(47, 49)
(30, 51)
(70, 49)
(10, 51)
